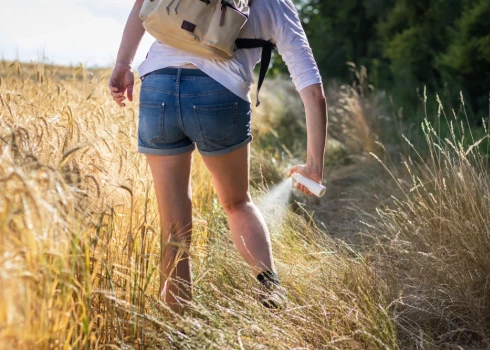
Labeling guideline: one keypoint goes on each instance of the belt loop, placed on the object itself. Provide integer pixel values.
(179, 73)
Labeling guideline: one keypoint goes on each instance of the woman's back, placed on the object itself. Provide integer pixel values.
(274, 20)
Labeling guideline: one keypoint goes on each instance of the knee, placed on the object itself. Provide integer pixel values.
(231, 207)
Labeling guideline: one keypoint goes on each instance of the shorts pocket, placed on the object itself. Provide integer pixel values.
(217, 122)
(151, 120)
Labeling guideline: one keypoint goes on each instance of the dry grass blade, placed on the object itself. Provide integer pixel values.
(68, 155)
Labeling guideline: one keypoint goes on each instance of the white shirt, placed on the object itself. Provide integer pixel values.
(274, 20)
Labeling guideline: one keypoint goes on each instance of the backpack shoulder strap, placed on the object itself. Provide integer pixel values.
(267, 47)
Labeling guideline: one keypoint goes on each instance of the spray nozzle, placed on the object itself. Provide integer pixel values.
(314, 187)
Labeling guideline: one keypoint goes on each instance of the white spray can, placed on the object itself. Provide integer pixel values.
(314, 187)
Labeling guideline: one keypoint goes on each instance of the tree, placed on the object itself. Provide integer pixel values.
(404, 44)
(467, 60)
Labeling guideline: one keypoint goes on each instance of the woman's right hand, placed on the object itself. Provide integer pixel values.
(305, 171)
(122, 79)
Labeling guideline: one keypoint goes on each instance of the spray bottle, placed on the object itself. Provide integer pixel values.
(314, 187)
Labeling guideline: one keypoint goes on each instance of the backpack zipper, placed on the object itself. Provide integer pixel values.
(177, 7)
(168, 6)
(224, 5)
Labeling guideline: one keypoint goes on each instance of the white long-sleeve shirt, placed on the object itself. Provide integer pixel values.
(274, 20)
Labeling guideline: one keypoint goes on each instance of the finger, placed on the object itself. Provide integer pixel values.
(113, 88)
(117, 94)
(305, 190)
(121, 97)
(293, 170)
(130, 92)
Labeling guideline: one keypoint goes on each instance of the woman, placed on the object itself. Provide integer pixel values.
(187, 101)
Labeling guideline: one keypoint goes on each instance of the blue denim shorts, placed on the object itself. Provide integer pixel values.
(182, 108)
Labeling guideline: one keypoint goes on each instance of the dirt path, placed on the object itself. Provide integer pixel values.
(353, 194)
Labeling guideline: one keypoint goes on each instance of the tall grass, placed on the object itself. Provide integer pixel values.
(435, 240)
(80, 240)
(80, 243)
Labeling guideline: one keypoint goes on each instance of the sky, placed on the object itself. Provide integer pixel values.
(66, 32)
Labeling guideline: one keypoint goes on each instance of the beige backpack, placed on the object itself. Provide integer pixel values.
(208, 28)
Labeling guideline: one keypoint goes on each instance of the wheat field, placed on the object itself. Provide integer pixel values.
(80, 246)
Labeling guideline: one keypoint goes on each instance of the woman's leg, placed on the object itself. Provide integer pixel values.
(230, 173)
(171, 175)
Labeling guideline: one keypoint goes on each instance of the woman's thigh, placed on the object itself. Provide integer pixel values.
(171, 176)
(230, 173)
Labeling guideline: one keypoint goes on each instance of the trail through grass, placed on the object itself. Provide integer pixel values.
(383, 262)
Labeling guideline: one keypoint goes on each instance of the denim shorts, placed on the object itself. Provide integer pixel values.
(181, 108)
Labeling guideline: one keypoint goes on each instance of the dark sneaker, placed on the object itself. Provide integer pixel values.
(273, 296)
